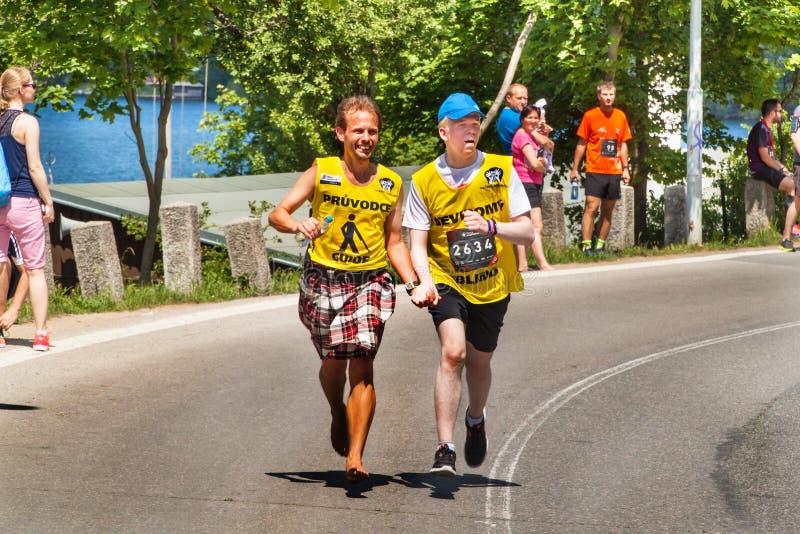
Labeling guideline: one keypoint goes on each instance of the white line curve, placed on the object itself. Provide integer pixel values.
(505, 463)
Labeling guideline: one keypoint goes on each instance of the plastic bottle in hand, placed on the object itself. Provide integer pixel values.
(302, 240)
(574, 194)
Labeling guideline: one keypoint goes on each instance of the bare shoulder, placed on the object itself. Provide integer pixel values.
(26, 122)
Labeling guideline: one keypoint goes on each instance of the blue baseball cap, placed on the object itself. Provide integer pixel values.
(457, 106)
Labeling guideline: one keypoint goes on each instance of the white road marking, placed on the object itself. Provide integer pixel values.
(12, 356)
(505, 463)
(529, 276)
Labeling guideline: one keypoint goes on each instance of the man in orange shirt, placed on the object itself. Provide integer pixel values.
(602, 137)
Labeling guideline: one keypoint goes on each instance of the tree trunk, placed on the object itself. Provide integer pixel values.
(510, 71)
(154, 180)
(615, 38)
(641, 167)
(640, 193)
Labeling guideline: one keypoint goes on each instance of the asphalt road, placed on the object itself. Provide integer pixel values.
(647, 396)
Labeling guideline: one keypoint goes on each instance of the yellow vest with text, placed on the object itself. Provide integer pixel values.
(487, 194)
(355, 239)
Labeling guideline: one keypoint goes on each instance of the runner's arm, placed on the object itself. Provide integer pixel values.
(518, 231)
(281, 218)
(418, 240)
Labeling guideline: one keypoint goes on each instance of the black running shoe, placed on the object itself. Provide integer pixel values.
(444, 462)
(475, 444)
(787, 245)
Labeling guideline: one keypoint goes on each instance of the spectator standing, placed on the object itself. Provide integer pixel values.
(30, 207)
(508, 120)
(530, 167)
(603, 136)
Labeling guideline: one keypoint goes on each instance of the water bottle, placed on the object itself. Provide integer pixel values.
(574, 195)
(302, 240)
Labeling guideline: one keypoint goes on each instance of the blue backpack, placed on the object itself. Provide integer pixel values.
(5, 179)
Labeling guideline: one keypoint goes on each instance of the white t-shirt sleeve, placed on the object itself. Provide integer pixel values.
(416, 215)
(518, 203)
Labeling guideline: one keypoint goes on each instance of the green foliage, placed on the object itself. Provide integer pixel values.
(297, 59)
(135, 226)
(114, 48)
(231, 148)
(655, 220)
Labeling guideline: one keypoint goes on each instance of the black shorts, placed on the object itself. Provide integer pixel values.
(482, 322)
(769, 175)
(605, 186)
(534, 192)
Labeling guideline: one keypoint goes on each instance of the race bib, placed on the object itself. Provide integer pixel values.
(608, 148)
(471, 250)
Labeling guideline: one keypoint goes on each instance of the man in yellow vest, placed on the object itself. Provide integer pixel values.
(346, 294)
(465, 211)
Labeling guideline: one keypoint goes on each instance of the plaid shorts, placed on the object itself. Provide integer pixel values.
(345, 311)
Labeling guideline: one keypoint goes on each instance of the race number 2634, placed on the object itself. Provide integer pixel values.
(471, 250)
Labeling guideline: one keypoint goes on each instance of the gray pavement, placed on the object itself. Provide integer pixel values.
(646, 396)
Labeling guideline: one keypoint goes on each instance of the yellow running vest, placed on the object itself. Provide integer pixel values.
(355, 239)
(482, 268)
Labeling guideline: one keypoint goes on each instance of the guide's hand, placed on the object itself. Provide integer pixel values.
(425, 295)
(310, 227)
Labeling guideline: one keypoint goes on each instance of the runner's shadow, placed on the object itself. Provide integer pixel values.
(336, 479)
(17, 407)
(445, 487)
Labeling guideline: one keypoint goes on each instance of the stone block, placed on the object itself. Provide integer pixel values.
(675, 222)
(180, 241)
(554, 230)
(247, 251)
(621, 234)
(95, 250)
(759, 205)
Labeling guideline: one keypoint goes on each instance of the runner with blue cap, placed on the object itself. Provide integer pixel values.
(465, 211)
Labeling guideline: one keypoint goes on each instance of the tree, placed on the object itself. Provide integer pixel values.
(116, 47)
(297, 59)
(643, 47)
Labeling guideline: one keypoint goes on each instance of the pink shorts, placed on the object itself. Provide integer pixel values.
(23, 216)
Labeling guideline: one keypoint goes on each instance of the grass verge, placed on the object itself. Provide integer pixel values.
(218, 285)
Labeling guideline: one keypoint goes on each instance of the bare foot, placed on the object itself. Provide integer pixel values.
(546, 267)
(355, 473)
(340, 436)
(523, 269)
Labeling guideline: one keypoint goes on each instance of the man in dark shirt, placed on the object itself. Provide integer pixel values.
(764, 166)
